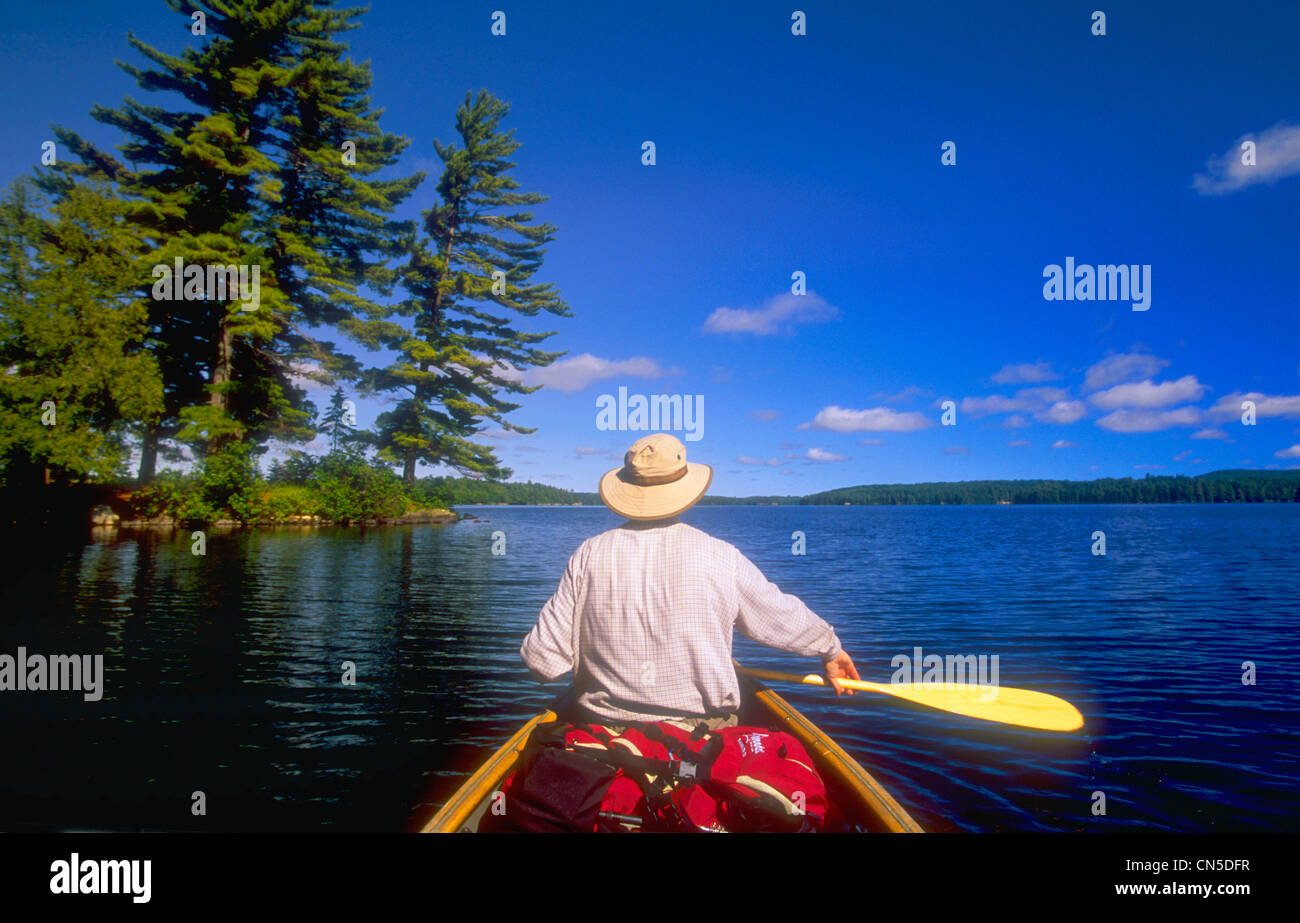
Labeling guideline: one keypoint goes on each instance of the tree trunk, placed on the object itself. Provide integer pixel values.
(148, 456)
(408, 470)
(221, 369)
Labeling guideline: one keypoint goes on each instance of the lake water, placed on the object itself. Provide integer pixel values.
(223, 672)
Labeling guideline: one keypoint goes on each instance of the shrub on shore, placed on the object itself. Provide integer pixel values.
(341, 488)
(350, 490)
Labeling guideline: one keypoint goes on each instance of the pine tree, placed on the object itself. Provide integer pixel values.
(254, 171)
(474, 268)
(335, 422)
(72, 329)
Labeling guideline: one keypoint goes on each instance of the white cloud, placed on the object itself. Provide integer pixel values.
(1277, 155)
(1182, 455)
(994, 403)
(507, 372)
(589, 450)
(1229, 407)
(1149, 421)
(1025, 373)
(1062, 444)
(574, 374)
(821, 455)
(956, 450)
(872, 419)
(751, 460)
(1019, 442)
(1147, 394)
(777, 315)
(1121, 368)
(1293, 452)
(499, 433)
(1211, 434)
(1015, 421)
(1062, 412)
(871, 442)
(1026, 400)
(309, 376)
(765, 415)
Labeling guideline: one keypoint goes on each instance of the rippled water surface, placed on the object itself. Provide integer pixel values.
(223, 672)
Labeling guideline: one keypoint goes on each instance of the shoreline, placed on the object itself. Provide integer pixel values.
(431, 516)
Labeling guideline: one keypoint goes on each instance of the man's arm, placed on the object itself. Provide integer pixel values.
(780, 620)
(548, 650)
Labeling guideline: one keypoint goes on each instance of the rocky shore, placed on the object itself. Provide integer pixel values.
(103, 517)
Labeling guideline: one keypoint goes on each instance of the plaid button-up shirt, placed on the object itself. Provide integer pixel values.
(644, 617)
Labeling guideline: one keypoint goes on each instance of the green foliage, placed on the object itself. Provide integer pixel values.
(452, 491)
(228, 481)
(167, 495)
(285, 500)
(430, 493)
(351, 490)
(297, 469)
(73, 371)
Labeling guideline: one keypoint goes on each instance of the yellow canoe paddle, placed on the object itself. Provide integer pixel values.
(1022, 707)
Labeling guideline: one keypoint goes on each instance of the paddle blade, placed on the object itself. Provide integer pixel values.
(1023, 707)
(1005, 705)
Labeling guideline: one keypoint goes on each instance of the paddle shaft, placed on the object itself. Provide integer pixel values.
(812, 679)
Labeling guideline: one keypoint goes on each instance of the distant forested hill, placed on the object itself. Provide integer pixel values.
(1229, 486)
(1220, 486)
(459, 491)
(1215, 487)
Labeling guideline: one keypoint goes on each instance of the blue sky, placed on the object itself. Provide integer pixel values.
(821, 154)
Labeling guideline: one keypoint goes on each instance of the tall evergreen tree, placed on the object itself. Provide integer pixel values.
(472, 271)
(269, 163)
(334, 421)
(73, 368)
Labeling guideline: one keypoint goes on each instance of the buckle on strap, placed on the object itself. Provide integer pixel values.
(683, 769)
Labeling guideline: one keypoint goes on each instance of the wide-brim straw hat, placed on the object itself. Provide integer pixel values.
(656, 481)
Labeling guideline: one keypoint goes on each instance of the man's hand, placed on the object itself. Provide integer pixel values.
(841, 667)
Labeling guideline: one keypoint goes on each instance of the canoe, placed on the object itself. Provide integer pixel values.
(867, 805)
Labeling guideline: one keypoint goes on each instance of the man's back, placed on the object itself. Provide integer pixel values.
(644, 615)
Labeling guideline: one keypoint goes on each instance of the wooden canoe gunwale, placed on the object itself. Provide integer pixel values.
(844, 775)
(478, 789)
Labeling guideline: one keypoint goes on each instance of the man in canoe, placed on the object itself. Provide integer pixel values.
(644, 614)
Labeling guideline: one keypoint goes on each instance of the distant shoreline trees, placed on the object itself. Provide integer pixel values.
(1237, 486)
(1229, 486)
